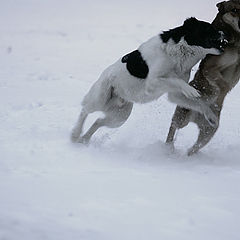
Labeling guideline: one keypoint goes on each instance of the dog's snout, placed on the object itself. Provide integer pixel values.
(222, 40)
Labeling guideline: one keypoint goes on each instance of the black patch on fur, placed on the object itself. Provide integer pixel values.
(136, 65)
(175, 34)
(195, 33)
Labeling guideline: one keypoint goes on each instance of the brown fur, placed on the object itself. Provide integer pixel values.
(216, 76)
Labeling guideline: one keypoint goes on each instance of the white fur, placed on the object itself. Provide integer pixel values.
(169, 70)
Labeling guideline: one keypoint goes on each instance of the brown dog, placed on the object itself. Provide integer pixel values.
(216, 76)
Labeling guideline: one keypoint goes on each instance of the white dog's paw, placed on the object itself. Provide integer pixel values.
(83, 140)
(191, 92)
(75, 135)
(74, 138)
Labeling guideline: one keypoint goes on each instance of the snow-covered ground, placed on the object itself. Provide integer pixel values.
(126, 184)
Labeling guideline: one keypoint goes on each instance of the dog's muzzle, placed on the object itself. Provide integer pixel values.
(221, 42)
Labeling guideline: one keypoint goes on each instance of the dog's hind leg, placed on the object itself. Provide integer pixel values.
(116, 113)
(96, 125)
(180, 119)
(205, 135)
(77, 130)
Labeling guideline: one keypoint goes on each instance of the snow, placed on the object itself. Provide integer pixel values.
(126, 184)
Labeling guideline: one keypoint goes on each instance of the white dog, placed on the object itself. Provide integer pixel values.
(160, 65)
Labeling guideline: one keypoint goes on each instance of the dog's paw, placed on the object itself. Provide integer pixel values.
(83, 140)
(170, 146)
(211, 118)
(74, 136)
(191, 92)
(192, 151)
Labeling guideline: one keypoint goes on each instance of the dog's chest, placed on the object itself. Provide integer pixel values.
(231, 71)
(183, 58)
(230, 57)
(180, 69)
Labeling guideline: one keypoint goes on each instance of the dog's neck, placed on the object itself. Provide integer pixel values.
(184, 55)
(177, 46)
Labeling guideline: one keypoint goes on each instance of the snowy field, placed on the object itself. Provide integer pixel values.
(126, 185)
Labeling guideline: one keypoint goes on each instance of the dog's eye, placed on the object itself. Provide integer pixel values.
(234, 10)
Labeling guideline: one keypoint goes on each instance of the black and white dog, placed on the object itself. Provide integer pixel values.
(160, 65)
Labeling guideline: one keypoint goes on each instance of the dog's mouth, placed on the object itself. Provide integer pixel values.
(222, 45)
(221, 42)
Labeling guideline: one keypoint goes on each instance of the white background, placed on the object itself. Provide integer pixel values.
(126, 184)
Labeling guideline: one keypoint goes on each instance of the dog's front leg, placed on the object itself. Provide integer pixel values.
(195, 104)
(179, 85)
(167, 84)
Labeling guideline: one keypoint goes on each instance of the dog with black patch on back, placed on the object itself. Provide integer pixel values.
(160, 65)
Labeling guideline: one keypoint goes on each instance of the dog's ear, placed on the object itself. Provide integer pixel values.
(189, 23)
(220, 6)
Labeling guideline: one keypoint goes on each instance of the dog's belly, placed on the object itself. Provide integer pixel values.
(129, 87)
(134, 91)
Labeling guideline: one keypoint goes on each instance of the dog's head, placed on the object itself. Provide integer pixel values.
(203, 34)
(230, 11)
(228, 18)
